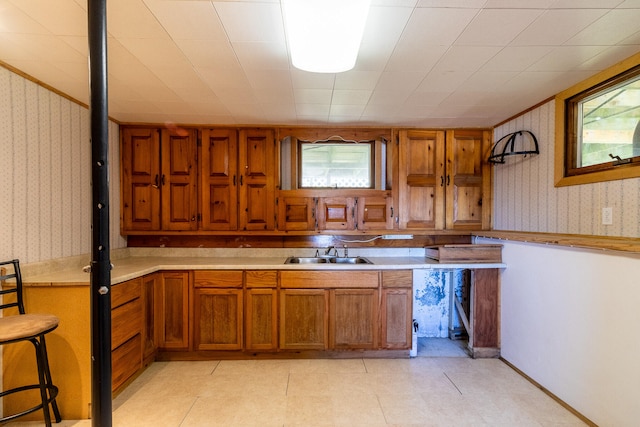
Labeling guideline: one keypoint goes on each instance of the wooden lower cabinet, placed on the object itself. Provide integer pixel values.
(126, 331)
(397, 309)
(217, 310)
(353, 319)
(173, 313)
(261, 310)
(304, 319)
(150, 305)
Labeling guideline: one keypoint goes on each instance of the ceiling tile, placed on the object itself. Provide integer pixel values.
(411, 56)
(516, 58)
(443, 80)
(196, 20)
(251, 22)
(467, 58)
(555, 27)
(566, 58)
(15, 20)
(313, 96)
(70, 18)
(611, 29)
(585, 4)
(208, 53)
(497, 27)
(357, 80)
(132, 19)
(350, 97)
(437, 26)
(259, 55)
(399, 81)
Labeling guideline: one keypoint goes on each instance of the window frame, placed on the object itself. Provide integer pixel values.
(566, 145)
(372, 162)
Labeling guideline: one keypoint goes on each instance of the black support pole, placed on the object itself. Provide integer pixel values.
(100, 253)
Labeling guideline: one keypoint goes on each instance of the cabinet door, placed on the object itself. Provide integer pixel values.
(173, 316)
(150, 304)
(217, 319)
(179, 180)
(421, 180)
(468, 180)
(304, 319)
(219, 179)
(140, 179)
(353, 319)
(261, 319)
(336, 213)
(374, 213)
(257, 179)
(396, 318)
(296, 213)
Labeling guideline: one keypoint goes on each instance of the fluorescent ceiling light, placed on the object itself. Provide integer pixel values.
(324, 35)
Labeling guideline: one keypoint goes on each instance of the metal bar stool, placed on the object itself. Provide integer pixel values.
(27, 327)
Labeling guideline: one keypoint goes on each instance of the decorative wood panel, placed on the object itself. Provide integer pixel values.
(174, 314)
(179, 180)
(336, 213)
(219, 179)
(257, 179)
(217, 319)
(421, 180)
(261, 322)
(304, 319)
(353, 319)
(396, 318)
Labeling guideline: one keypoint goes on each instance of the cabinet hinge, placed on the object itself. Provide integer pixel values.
(199, 216)
(199, 143)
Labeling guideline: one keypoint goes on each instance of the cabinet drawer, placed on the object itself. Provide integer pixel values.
(261, 279)
(126, 321)
(125, 292)
(397, 279)
(329, 279)
(126, 361)
(217, 279)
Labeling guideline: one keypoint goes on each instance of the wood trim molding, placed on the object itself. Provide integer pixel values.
(622, 244)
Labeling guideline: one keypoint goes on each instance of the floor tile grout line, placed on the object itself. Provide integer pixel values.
(190, 409)
(452, 383)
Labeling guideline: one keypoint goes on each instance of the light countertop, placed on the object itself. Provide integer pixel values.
(132, 267)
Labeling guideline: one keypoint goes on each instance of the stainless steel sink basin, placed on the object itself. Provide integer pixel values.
(327, 260)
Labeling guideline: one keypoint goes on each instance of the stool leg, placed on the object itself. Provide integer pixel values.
(41, 378)
(48, 391)
(50, 387)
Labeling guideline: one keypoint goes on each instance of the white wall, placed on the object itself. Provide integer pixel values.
(45, 174)
(570, 321)
(569, 316)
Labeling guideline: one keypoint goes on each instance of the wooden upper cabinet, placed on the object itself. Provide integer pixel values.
(336, 213)
(468, 180)
(159, 179)
(296, 213)
(140, 179)
(257, 176)
(374, 213)
(421, 179)
(179, 180)
(219, 179)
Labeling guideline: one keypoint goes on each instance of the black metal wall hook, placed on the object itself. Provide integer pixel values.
(508, 148)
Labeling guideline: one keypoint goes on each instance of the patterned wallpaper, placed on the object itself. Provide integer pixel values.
(526, 200)
(45, 174)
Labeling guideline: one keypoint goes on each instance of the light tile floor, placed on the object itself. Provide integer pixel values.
(424, 391)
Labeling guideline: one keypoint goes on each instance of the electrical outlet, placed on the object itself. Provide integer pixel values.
(607, 216)
(397, 236)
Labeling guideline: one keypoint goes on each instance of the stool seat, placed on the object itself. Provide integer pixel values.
(30, 328)
(26, 326)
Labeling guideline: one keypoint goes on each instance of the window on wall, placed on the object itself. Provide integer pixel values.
(336, 165)
(602, 129)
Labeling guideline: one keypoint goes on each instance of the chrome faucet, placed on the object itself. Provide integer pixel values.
(327, 251)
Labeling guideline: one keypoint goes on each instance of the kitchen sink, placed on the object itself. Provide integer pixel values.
(327, 260)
